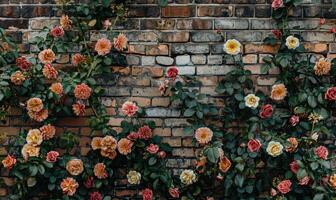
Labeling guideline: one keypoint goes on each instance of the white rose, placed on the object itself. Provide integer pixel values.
(134, 177)
(188, 177)
(252, 101)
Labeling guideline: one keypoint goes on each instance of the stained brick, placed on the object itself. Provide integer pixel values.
(178, 11)
(215, 11)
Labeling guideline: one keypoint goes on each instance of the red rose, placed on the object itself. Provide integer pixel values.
(147, 194)
(277, 33)
(52, 156)
(172, 72)
(284, 186)
(277, 4)
(23, 63)
(330, 94)
(332, 30)
(57, 31)
(95, 196)
(145, 132)
(266, 111)
(162, 154)
(322, 152)
(133, 136)
(253, 145)
(152, 148)
(174, 192)
(294, 120)
(294, 167)
(89, 182)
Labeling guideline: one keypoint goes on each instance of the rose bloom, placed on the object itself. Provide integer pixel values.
(96, 143)
(274, 149)
(266, 111)
(163, 86)
(172, 73)
(103, 46)
(17, 78)
(273, 192)
(106, 24)
(129, 108)
(294, 120)
(284, 186)
(332, 181)
(188, 177)
(133, 177)
(147, 194)
(30, 151)
(39, 116)
(174, 192)
(252, 101)
(23, 63)
(162, 154)
(75, 167)
(125, 146)
(277, 33)
(9, 162)
(88, 182)
(293, 144)
(322, 67)
(57, 88)
(57, 32)
(279, 92)
(108, 142)
(277, 4)
(47, 56)
(314, 136)
(69, 186)
(322, 21)
(152, 148)
(52, 156)
(224, 164)
(133, 136)
(120, 43)
(332, 30)
(145, 132)
(292, 42)
(253, 145)
(95, 196)
(78, 59)
(203, 135)
(49, 71)
(294, 167)
(111, 154)
(65, 22)
(100, 171)
(330, 94)
(79, 109)
(34, 137)
(34, 104)
(304, 181)
(322, 152)
(82, 91)
(232, 47)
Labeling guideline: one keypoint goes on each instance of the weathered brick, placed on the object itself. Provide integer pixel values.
(215, 11)
(263, 11)
(164, 60)
(178, 11)
(231, 24)
(144, 11)
(212, 70)
(245, 36)
(190, 48)
(175, 36)
(160, 24)
(196, 24)
(244, 11)
(182, 60)
(10, 11)
(157, 50)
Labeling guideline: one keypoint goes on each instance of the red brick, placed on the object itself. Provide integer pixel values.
(178, 11)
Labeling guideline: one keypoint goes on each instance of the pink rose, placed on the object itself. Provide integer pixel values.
(152, 148)
(57, 31)
(330, 94)
(147, 194)
(174, 192)
(253, 145)
(129, 108)
(273, 192)
(277, 4)
(106, 24)
(304, 181)
(133, 136)
(332, 30)
(294, 120)
(89, 182)
(52, 156)
(294, 166)
(322, 152)
(162, 154)
(95, 196)
(322, 21)
(266, 111)
(277, 33)
(284, 186)
(172, 72)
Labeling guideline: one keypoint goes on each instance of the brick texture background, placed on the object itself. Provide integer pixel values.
(182, 34)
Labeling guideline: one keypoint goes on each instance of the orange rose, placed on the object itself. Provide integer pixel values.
(120, 42)
(203, 135)
(103, 46)
(47, 56)
(82, 91)
(34, 104)
(100, 171)
(9, 162)
(69, 186)
(65, 22)
(57, 88)
(17, 78)
(224, 164)
(293, 144)
(49, 71)
(30, 151)
(75, 167)
(322, 67)
(96, 143)
(79, 109)
(39, 116)
(48, 131)
(332, 181)
(125, 146)
(278, 92)
(78, 59)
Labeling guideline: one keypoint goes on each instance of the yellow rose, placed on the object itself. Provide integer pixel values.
(134, 177)
(274, 149)
(188, 177)
(292, 42)
(34, 137)
(232, 47)
(30, 151)
(252, 101)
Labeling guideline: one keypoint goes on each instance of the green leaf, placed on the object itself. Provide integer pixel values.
(312, 101)
(314, 165)
(212, 154)
(189, 112)
(163, 3)
(31, 182)
(152, 161)
(318, 197)
(239, 180)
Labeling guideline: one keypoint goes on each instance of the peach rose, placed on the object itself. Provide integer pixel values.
(30, 151)
(9, 162)
(322, 152)
(292, 146)
(277, 4)
(253, 145)
(65, 22)
(96, 143)
(174, 192)
(100, 171)
(330, 94)
(108, 142)
(79, 109)
(203, 135)
(279, 92)
(284, 186)
(47, 56)
(17, 78)
(111, 154)
(332, 181)
(82, 91)
(120, 43)
(52, 156)
(34, 104)
(78, 59)
(322, 67)
(48, 131)
(39, 116)
(69, 186)
(129, 108)
(57, 32)
(125, 146)
(103, 46)
(224, 164)
(152, 148)
(49, 71)
(147, 194)
(57, 88)
(145, 132)
(34, 137)
(75, 167)
(172, 73)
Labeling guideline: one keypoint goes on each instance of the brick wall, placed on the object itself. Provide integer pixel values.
(182, 34)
